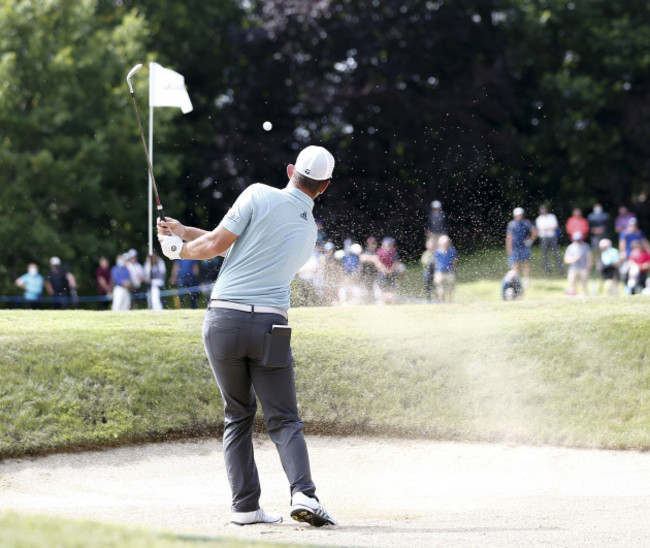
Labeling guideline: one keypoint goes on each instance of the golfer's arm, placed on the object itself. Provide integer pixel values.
(191, 233)
(209, 244)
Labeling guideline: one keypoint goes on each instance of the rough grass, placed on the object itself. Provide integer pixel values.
(26, 531)
(568, 372)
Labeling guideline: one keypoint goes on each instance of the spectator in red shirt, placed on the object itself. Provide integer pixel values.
(577, 223)
(638, 268)
(389, 270)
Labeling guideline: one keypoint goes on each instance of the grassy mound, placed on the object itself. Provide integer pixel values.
(568, 372)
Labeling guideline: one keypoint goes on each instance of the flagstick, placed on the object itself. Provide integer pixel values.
(151, 84)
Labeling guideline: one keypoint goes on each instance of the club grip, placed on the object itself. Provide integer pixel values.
(161, 213)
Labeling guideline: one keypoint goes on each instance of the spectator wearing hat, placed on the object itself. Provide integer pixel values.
(631, 234)
(577, 223)
(547, 231)
(437, 223)
(520, 235)
(61, 284)
(579, 261)
(609, 263)
(136, 271)
(512, 289)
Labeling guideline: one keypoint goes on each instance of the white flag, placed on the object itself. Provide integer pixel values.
(167, 89)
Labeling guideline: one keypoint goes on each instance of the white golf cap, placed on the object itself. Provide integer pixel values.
(55, 261)
(315, 163)
(436, 204)
(518, 211)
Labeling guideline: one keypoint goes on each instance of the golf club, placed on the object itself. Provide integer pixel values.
(135, 69)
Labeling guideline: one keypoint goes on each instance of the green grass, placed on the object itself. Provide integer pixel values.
(545, 370)
(560, 371)
(22, 531)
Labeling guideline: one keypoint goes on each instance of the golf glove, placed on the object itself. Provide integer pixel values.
(171, 246)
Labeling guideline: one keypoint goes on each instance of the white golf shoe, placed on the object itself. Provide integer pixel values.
(309, 510)
(251, 518)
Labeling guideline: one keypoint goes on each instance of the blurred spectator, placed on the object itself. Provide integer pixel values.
(32, 283)
(622, 219)
(577, 223)
(520, 235)
(598, 221)
(631, 234)
(309, 281)
(136, 271)
(321, 233)
(331, 274)
(121, 285)
(185, 275)
(155, 273)
(104, 281)
(210, 269)
(349, 289)
(639, 265)
(389, 271)
(610, 260)
(61, 284)
(548, 232)
(578, 257)
(427, 260)
(512, 289)
(445, 258)
(437, 222)
(369, 268)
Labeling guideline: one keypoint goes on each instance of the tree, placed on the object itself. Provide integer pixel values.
(414, 98)
(73, 177)
(583, 73)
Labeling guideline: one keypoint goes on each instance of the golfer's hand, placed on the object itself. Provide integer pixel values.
(170, 226)
(171, 246)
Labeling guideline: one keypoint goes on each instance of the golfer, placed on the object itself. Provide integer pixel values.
(268, 235)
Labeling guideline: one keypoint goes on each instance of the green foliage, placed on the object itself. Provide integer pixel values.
(67, 161)
(481, 104)
(582, 83)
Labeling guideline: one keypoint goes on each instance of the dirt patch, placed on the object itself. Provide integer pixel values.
(384, 492)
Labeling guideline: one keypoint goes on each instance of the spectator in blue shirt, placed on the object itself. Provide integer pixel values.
(185, 275)
(520, 235)
(32, 283)
(121, 285)
(445, 258)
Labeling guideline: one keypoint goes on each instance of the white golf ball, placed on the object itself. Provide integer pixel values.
(267, 126)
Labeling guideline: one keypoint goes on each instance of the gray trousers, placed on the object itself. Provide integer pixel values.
(234, 342)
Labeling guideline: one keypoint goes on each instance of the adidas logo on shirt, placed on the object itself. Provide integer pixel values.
(304, 215)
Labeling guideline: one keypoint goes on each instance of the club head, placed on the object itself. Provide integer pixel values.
(131, 73)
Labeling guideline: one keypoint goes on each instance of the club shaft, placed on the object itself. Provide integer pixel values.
(159, 206)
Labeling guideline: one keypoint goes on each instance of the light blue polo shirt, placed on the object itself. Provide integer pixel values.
(277, 235)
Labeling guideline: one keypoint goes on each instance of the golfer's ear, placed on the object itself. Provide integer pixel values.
(290, 169)
(325, 185)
